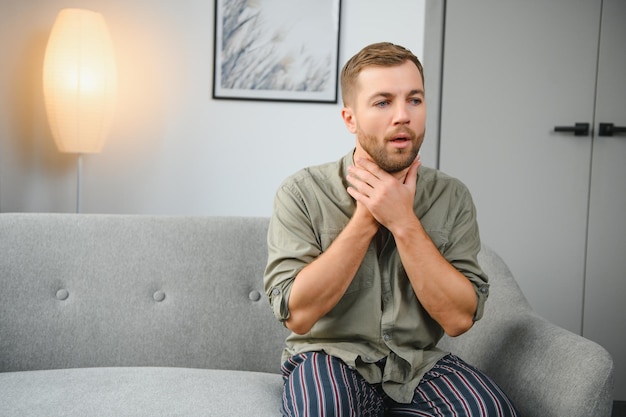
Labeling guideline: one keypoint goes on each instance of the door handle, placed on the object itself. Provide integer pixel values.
(608, 129)
(579, 129)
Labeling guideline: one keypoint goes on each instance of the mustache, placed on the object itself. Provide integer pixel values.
(402, 131)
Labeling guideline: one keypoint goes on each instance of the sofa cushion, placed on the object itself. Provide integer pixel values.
(137, 391)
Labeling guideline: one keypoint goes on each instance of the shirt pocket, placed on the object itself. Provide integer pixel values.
(364, 277)
(439, 238)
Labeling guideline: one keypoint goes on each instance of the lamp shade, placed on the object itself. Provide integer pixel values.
(79, 81)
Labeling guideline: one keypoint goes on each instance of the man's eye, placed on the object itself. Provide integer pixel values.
(382, 103)
(416, 101)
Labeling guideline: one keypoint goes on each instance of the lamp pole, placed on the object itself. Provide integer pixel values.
(79, 174)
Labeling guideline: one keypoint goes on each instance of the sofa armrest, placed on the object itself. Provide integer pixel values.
(557, 372)
(546, 370)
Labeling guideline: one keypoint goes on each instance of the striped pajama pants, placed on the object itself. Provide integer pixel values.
(319, 385)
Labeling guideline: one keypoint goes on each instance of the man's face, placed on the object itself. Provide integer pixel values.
(388, 115)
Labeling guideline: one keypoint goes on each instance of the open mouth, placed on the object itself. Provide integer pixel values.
(400, 142)
(400, 139)
(401, 135)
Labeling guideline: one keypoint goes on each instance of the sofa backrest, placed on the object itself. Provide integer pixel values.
(135, 290)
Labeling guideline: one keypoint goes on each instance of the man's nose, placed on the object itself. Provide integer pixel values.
(401, 114)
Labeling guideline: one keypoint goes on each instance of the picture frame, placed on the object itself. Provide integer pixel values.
(277, 50)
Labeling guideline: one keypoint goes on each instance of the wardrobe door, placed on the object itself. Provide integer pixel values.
(513, 71)
(605, 304)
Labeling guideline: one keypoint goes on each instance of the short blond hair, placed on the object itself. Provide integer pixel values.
(382, 54)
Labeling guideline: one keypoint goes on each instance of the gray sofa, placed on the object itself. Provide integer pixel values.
(133, 315)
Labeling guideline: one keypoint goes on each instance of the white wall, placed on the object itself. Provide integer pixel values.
(172, 148)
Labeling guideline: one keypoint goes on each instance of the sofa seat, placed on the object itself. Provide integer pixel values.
(140, 391)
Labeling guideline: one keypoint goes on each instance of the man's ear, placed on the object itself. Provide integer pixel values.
(347, 114)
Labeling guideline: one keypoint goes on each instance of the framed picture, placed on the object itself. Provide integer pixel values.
(280, 50)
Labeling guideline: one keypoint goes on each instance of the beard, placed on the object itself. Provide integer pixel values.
(391, 161)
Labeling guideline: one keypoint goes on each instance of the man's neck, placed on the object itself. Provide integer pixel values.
(360, 153)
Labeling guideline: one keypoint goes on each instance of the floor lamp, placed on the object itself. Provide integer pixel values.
(79, 84)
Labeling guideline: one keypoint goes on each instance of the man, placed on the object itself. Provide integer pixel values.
(372, 258)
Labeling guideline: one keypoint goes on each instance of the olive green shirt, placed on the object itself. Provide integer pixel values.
(379, 316)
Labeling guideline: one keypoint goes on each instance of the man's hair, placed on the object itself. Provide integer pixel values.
(383, 54)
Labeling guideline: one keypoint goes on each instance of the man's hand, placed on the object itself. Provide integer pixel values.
(445, 293)
(388, 198)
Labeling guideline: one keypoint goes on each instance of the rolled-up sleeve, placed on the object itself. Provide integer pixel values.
(292, 245)
(279, 300)
(464, 245)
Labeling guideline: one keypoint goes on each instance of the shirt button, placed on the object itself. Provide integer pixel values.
(275, 291)
(387, 337)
